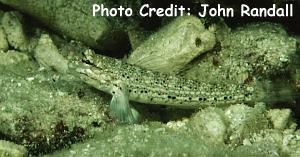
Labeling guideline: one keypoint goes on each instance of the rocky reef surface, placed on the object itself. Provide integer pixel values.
(48, 112)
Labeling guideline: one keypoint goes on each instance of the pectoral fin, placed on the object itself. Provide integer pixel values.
(120, 106)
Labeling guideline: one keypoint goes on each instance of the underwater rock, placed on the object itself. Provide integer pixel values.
(137, 37)
(45, 111)
(150, 140)
(3, 41)
(173, 46)
(210, 124)
(14, 30)
(261, 50)
(266, 147)
(75, 20)
(292, 144)
(275, 142)
(178, 125)
(47, 55)
(280, 118)
(9, 149)
(245, 121)
(12, 57)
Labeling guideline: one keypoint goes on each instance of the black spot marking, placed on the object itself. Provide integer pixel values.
(215, 99)
(169, 97)
(174, 97)
(80, 94)
(204, 99)
(130, 91)
(146, 91)
(198, 42)
(151, 99)
(225, 97)
(96, 124)
(230, 97)
(114, 92)
(190, 98)
(200, 99)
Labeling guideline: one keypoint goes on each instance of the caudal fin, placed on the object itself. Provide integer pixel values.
(273, 92)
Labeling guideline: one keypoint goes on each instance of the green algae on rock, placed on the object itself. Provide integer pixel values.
(44, 111)
(259, 50)
(152, 139)
(173, 46)
(75, 20)
(210, 124)
(9, 149)
(47, 54)
(245, 121)
(14, 30)
(3, 40)
(280, 118)
(12, 57)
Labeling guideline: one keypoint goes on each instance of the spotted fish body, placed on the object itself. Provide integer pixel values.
(124, 81)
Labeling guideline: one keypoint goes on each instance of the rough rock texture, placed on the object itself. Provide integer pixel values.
(280, 118)
(44, 111)
(151, 140)
(12, 57)
(9, 149)
(47, 54)
(169, 50)
(210, 124)
(245, 121)
(3, 41)
(257, 50)
(14, 30)
(75, 20)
